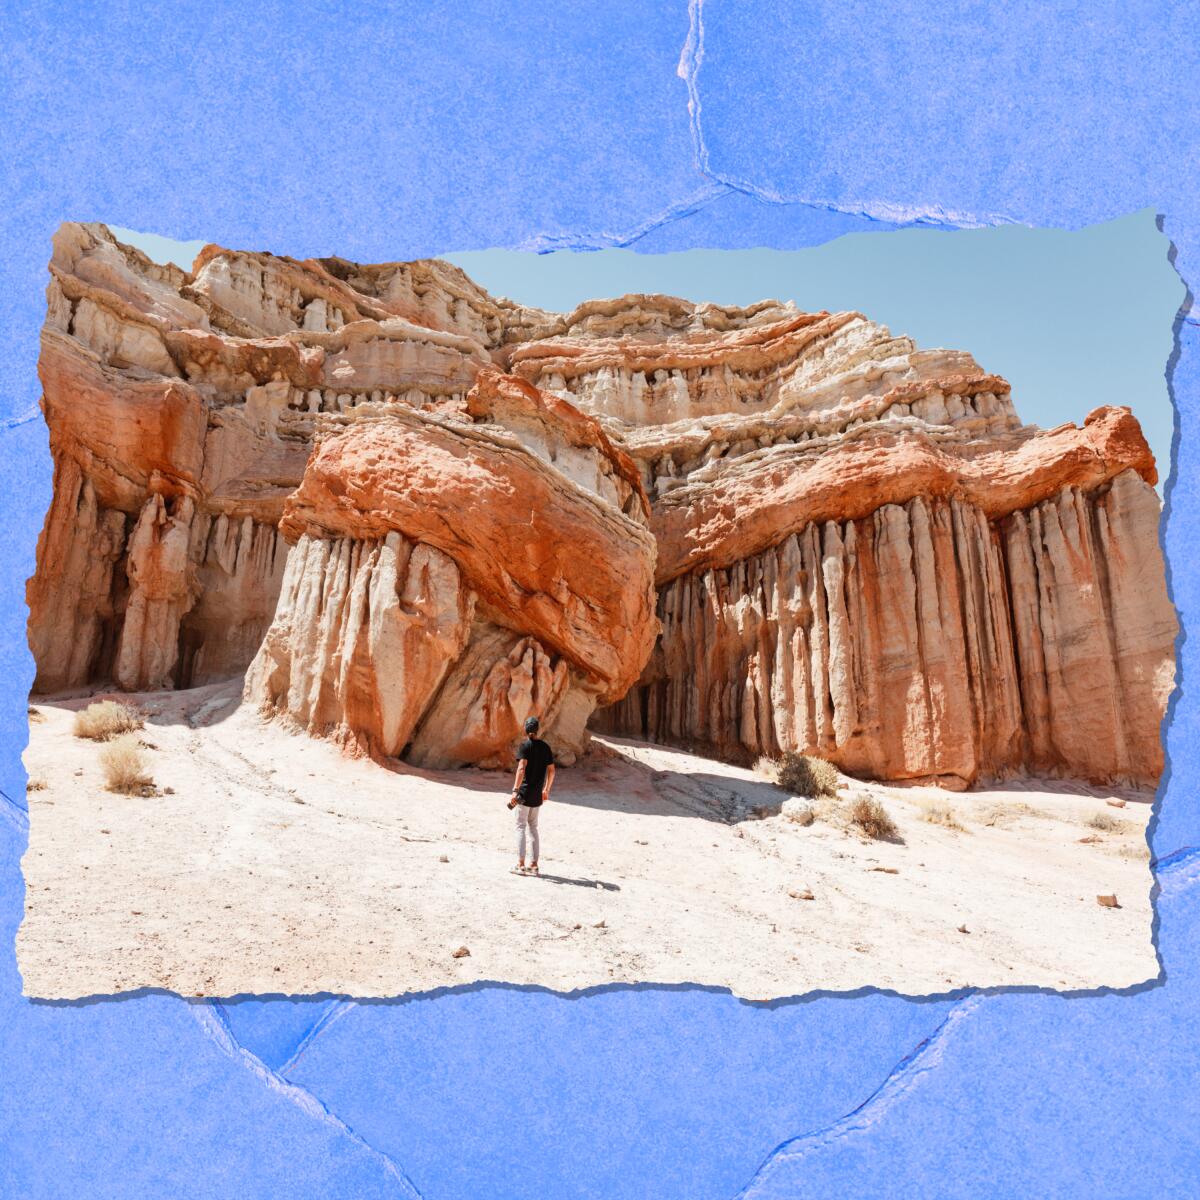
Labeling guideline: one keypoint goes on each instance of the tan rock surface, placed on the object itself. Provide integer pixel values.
(362, 638)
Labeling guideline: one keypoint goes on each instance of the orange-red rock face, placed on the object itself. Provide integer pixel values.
(517, 582)
(721, 517)
(181, 410)
(863, 554)
(417, 513)
(929, 641)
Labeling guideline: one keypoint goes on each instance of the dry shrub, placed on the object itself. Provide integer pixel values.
(106, 719)
(125, 767)
(34, 716)
(35, 784)
(767, 767)
(938, 812)
(805, 776)
(1001, 816)
(1103, 822)
(872, 818)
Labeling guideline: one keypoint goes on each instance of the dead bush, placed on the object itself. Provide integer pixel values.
(1103, 822)
(805, 776)
(1002, 816)
(106, 719)
(872, 818)
(938, 812)
(35, 784)
(125, 767)
(766, 767)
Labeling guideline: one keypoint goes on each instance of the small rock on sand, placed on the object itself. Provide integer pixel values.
(1108, 901)
(1116, 803)
(461, 952)
(886, 870)
(963, 929)
(801, 894)
(798, 811)
(443, 858)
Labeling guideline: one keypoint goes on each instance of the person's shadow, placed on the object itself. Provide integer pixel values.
(587, 883)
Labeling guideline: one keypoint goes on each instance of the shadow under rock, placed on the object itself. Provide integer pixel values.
(616, 782)
(622, 783)
(208, 704)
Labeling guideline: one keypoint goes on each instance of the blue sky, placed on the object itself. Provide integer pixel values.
(1072, 319)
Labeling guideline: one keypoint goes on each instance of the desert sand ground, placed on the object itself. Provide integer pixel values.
(267, 862)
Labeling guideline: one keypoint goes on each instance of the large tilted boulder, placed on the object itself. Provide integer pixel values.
(421, 512)
(455, 574)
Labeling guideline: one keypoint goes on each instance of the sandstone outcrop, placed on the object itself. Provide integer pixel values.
(417, 512)
(162, 386)
(479, 565)
(928, 641)
(863, 553)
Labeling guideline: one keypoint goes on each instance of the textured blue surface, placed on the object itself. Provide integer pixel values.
(396, 130)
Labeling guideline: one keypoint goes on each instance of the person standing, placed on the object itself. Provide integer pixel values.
(531, 788)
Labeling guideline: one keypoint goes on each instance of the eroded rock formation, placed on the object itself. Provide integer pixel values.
(190, 400)
(417, 512)
(927, 640)
(455, 572)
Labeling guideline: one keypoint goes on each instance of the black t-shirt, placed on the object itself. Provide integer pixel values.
(538, 756)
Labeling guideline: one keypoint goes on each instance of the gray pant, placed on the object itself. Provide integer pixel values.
(527, 818)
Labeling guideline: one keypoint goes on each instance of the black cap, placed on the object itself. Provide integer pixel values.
(531, 724)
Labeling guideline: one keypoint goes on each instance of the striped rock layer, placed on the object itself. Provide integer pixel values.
(413, 513)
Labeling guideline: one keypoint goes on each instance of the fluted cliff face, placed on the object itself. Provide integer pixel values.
(863, 553)
(927, 641)
(417, 513)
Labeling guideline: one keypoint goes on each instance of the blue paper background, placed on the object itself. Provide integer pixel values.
(396, 130)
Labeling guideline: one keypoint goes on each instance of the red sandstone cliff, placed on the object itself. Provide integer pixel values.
(321, 471)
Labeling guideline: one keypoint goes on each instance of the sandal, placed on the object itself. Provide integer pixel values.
(518, 870)
(532, 870)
